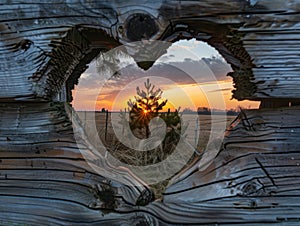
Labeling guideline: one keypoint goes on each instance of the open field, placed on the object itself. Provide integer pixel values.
(197, 132)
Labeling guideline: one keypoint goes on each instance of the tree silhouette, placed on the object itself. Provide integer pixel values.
(146, 106)
(110, 63)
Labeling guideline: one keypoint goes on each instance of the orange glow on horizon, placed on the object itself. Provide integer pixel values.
(192, 96)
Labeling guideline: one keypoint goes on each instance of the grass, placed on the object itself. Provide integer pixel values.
(146, 160)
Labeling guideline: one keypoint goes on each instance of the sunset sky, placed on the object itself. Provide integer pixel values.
(191, 74)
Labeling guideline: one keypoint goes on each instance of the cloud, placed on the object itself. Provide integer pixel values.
(218, 66)
(166, 57)
(185, 72)
(221, 90)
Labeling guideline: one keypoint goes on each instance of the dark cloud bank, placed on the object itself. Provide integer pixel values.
(174, 71)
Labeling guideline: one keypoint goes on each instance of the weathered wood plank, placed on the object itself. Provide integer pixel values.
(49, 167)
(250, 21)
(261, 180)
(45, 178)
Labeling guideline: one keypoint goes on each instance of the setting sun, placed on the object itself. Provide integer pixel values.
(187, 81)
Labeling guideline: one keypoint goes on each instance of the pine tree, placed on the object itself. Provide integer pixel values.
(146, 106)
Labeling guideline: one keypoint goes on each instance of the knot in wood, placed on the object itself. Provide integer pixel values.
(106, 194)
(24, 44)
(252, 188)
(140, 26)
(145, 198)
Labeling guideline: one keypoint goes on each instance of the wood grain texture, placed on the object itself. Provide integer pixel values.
(253, 179)
(237, 29)
(44, 176)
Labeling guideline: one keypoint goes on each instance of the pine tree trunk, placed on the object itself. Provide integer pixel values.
(147, 131)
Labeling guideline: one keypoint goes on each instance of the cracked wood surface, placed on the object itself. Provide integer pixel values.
(40, 43)
(43, 175)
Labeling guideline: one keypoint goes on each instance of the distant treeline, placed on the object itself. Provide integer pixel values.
(208, 111)
(200, 111)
